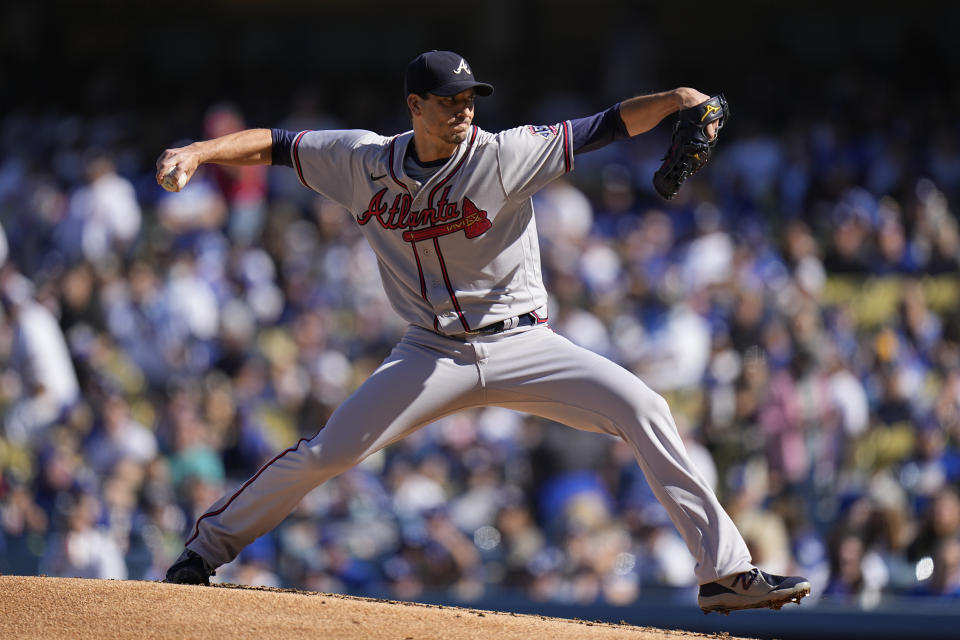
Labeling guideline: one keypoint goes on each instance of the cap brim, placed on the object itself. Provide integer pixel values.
(452, 89)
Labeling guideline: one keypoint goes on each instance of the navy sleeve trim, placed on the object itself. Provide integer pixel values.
(296, 158)
(282, 144)
(598, 130)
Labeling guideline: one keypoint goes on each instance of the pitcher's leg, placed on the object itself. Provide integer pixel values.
(551, 377)
(415, 386)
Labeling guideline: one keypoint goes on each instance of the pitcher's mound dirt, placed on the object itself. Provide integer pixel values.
(40, 607)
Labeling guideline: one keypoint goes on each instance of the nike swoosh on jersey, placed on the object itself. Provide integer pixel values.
(375, 178)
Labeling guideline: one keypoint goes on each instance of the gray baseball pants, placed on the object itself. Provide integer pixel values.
(529, 369)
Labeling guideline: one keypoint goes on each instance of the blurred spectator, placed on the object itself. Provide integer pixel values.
(763, 530)
(243, 187)
(119, 437)
(941, 522)
(451, 560)
(40, 356)
(522, 542)
(23, 526)
(944, 580)
(192, 455)
(856, 576)
(103, 217)
(83, 550)
(850, 250)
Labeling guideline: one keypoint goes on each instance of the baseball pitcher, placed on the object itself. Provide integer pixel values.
(447, 209)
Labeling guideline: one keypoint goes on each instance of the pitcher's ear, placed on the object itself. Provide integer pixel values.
(414, 103)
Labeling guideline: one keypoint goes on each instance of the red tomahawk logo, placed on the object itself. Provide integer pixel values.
(473, 223)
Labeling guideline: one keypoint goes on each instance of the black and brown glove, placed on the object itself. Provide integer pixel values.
(690, 146)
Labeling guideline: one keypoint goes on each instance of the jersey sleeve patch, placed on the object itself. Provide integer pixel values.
(544, 131)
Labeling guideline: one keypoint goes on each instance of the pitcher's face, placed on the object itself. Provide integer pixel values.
(447, 118)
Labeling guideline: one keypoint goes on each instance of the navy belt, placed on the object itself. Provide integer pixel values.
(526, 320)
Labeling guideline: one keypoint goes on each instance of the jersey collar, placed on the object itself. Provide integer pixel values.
(398, 150)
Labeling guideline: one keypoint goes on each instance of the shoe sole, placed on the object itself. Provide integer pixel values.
(774, 603)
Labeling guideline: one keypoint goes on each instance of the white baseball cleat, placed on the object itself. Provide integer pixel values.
(754, 589)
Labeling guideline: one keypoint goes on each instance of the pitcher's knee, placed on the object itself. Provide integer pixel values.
(661, 406)
(648, 403)
(650, 407)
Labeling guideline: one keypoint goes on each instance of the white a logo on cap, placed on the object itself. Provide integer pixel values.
(463, 67)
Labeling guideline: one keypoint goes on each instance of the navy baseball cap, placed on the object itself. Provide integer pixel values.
(442, 73)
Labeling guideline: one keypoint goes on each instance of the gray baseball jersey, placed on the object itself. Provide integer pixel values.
(460, 251)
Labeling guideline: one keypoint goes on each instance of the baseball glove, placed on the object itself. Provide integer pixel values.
(690, 146)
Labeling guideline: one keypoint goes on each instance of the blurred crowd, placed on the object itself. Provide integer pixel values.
(797, 305)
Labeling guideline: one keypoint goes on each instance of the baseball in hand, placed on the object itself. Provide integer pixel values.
(174, 181)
